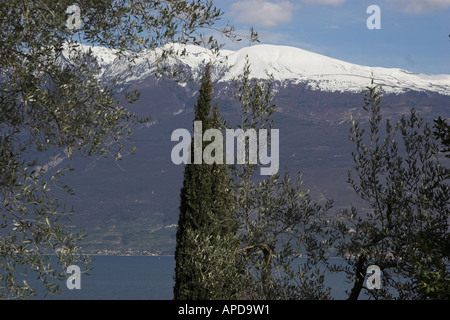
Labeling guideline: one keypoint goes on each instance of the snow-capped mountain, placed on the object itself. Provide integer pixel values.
(288, 65)
(323, 73)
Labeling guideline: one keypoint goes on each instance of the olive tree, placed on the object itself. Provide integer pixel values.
(53, 105)
(403, 228)
(279, 222)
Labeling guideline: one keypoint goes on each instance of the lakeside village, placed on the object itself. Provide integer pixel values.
(128, 252)
(118, 252)
(110, 252)
(91, 250)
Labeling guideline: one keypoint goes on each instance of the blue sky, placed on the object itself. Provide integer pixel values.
(414, 34)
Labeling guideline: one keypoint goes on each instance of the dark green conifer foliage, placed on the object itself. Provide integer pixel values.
(206, 245)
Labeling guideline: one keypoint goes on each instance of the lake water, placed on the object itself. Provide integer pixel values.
(142, 278)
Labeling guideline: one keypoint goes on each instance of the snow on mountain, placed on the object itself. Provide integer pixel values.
(327, 74)
(288, 65)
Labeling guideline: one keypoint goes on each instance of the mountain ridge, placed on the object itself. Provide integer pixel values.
(286, 64)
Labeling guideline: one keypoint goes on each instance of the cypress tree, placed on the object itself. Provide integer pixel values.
(206, 245)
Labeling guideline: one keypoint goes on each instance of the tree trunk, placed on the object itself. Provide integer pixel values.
(359, 281)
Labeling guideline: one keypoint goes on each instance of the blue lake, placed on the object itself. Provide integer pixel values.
(142, 278)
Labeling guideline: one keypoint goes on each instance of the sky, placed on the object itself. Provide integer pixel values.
(412, 34)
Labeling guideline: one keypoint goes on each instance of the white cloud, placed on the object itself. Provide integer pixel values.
(263, 13)
(408, 6)
(420, 6)
(332, 2)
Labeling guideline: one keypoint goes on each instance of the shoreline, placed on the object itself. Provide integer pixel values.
(168, 255)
